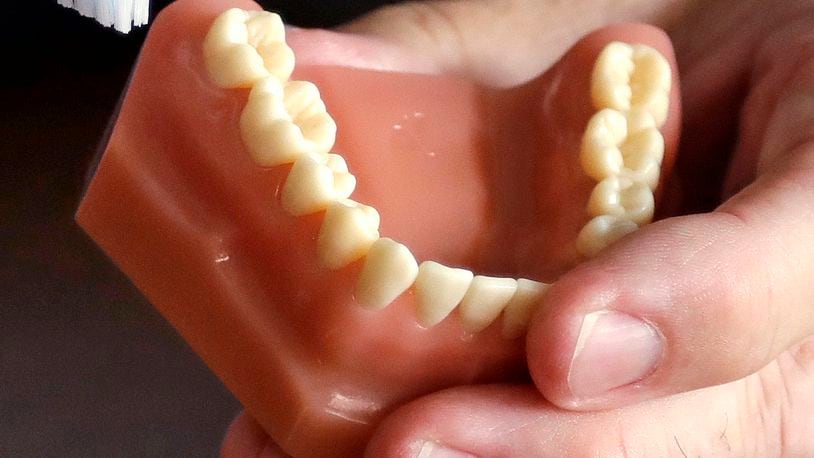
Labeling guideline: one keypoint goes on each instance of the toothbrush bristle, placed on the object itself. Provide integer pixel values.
(122, 15)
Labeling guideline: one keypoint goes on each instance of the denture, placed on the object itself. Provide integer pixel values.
(323, 272)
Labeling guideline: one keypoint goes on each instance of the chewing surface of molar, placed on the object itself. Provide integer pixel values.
(518, 311)
(600, 156)
(314, 182)
(347, 233)
(600, 232)
(624, 198)
(389, 270)
(439, 289)
(244, 46)
(643, 153)
(281, 122)
(484, 300)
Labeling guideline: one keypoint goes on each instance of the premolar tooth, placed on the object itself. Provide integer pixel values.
(438, 290)
(610, 80)
(311, 185)
(643, 153)
(348, 231)
(518, 311)
(600, 156)
(484, 300)
(389, 270)
(601, 232)
(622, 197)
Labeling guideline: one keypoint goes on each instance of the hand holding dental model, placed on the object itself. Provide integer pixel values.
(329, 282)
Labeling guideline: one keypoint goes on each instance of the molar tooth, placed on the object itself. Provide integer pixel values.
(311, 185)
(610, 80)
(600, 156)
(643, 153)
(650, 82)
(622, 197)
(348, 231)
(388, 271)
(438, 290)
(602, 231)
(518, 311)
(484, 300)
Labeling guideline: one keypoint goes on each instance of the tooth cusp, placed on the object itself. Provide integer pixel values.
(623, 198)
(438, 290)
(602, 231)
(600, 156)
(348, 231)
(389, 270)
(312, 185)
(518, 311)
(484, 300)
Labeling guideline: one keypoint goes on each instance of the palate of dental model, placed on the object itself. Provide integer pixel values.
(627, 76)
(624, 198)
(244, 46)
(389, 270)
(283, 121)
(347, 233)
(517, 314)
(314, 182)
(602, 231)
(438, 290)
(484, 300)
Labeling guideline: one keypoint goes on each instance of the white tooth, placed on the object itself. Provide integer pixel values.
(266, 33)
(600, 156)
(311, 185)
(484, 300)
(389, 270)
(438, 290)
(650, 82)
(348, 231)
(622, 197)
(610, 80)
(273, 134)
(643, 153)
(518, 311)
(639, 119)
(601, 232)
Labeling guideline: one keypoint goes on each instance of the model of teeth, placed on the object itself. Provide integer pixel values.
(286, 122)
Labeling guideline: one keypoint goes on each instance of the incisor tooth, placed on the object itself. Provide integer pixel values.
(601, 232)
(438, 290)
(348, 231)
(622, 197)
(243, 47)
(600, 156)
(484, 300)
(518, 311)
(311, 185)
(389, 270)
(279, 123)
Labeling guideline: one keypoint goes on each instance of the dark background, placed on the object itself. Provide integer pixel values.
(87, 367)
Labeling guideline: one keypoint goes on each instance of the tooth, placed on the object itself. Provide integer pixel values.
(311, 185)
(438, 290)
(484, 300)
(243, 47)
(600, 156)
(650, 82)
(639, 119)
(348, 231)
(388, 271)
(643, 153)
(275, 135)
(601, 232)
(610, 80)
(622, 197)
(518, 311)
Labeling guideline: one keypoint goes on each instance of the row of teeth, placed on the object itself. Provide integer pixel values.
(286, 122)
(622, 147)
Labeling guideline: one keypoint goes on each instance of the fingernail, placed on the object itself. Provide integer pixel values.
(429, 449)
(613, 350)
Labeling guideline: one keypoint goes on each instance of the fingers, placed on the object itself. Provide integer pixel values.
(693, 301)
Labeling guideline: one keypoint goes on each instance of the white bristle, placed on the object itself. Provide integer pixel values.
(121, 14)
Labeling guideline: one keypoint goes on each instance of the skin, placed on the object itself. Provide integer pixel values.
(736, 373)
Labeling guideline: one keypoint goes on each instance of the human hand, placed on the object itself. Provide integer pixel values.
(725, 290)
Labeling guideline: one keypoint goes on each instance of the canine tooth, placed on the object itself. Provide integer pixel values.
(650, 82)
(610, 80)
(518, 311)
(388, 271)
(311, 185)
(602, 231)
(643, 153)
(484, 300)
(600, 156)
(348, 231)
(438, 290)
(622, 197)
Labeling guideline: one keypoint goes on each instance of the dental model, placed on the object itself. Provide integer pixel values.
(287, 122)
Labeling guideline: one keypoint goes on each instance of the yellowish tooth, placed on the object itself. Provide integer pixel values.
(347, 233)
(643, 153)
(311, 185)
(601, 232)
(438, 290)
(651, 82)
(622, 197)
(639, 119)
(484, 300)
(610, 80)
(517, 314)
(600, 156)
(389, 270)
